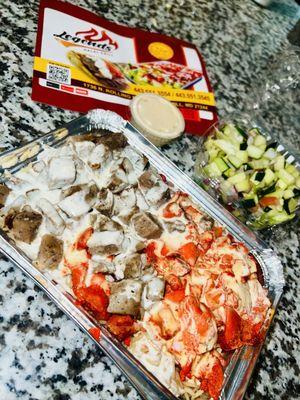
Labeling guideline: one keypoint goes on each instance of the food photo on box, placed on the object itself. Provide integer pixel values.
(149, 200)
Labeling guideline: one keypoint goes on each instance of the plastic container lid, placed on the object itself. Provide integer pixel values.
(157, 118)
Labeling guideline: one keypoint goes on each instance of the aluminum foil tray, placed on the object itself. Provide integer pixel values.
(242, 362)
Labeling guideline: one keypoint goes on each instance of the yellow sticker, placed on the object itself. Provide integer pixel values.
(160, 50)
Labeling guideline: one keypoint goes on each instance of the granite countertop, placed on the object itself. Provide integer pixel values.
(43, 355)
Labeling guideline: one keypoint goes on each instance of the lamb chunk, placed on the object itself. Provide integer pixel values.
(129, 266)
(105, 242)
(50, 252)
(147, 179)
(25, 224)
(4, 191)
(105, 202)
(125, 297)
(146, 225)
(114, 141)
(61, 172)
(153, 188)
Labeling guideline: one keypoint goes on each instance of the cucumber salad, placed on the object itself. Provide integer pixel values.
(250, 172)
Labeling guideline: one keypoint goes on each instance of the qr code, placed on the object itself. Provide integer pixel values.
(58, 74)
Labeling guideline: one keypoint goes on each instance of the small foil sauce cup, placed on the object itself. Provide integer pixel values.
(158, 119)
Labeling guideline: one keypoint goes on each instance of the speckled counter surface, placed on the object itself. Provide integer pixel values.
(42, 354)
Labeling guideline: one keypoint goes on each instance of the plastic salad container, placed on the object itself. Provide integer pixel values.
(241, 360)
(252, 172)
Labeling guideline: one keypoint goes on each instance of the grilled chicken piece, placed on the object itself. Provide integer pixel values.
(105, 242)
(71, 190)
(80, 202)
(4, 191)
(125, 205)
(54, 222)
(153, 188)
(105, 201)
(117, 180)
(84, 148)
(24, 224)
(99, 156)
(146, 225)
(125, 297)
(50, 252)
(61, 172)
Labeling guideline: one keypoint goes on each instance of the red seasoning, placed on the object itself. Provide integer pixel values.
(83, 61)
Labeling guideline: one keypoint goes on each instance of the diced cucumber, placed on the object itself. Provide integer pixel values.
(241, 132)
(260, 141)
(288, 193)
(270, 154)
(242, 155)
(212, 170)
(236, 162)
(221, 164)
(290, 205)
(241, 176)
(279, 163)
(269, 189)
(297, 183)
(286, 177)
(243, 146)
(269, 176)
(259, 164)
(255, 152)
(229, 172)
(231, 131)
(280, 184)
(243, 186)
(259, 176)
(226, 146)
(291, 169)
(279, 217)
(277, 193)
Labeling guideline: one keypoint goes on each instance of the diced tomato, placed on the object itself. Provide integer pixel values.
(121, 326)
(127, 341)
(185, 371)
(95, 332)
(81, 242)
(165, 250)
(78, 279)
(172, 210)
(252, 334)
(94, 299)
(174, 282)
(150, 251)
(269, 201)
(230, 338)
(98, 279)
(176, 295)
(213, 382)
(189, 252)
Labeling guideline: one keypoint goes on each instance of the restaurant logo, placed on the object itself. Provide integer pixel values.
(92, 38)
